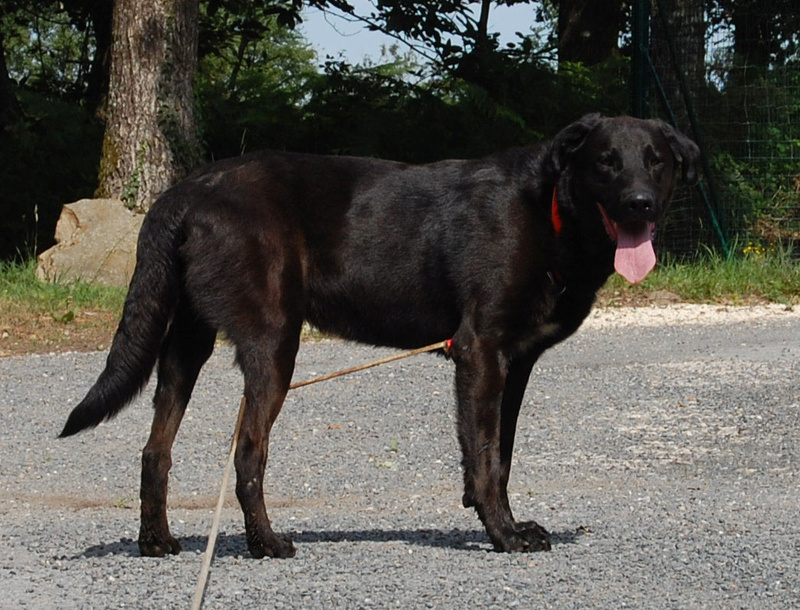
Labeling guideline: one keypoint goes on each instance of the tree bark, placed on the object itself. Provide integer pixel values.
(101, 14)
(151, 134)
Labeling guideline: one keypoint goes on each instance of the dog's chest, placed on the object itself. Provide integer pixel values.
(536, 323)
(552, 317)
(536, 334)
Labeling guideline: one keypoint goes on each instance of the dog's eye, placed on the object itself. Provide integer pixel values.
(606, 161)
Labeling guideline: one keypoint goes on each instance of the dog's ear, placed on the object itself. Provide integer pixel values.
(686, 152)
(570, 139)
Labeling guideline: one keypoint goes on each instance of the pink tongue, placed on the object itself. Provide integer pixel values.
(635, 257)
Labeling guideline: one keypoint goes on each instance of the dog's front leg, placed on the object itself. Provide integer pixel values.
(481, 372)
(535, 535)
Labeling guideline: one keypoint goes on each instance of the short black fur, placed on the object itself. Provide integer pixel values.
(384, 253)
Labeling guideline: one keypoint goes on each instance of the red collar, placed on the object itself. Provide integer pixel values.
(556, 277)
(554, 215)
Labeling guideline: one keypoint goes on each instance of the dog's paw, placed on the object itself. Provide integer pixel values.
(158, 546)
(535, 535)
(275, 546)
(526, 537)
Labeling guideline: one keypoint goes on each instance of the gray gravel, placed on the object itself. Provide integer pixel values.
(663, 459)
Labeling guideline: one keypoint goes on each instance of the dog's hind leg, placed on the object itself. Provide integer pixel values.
(186, 348)
(244, 263)
(267, 361)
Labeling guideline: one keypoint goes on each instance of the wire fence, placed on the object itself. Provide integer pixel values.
(729, 74)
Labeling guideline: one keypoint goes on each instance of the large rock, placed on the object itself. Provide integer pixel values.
(95, 242)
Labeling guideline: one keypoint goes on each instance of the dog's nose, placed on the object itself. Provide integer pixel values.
(639, 203)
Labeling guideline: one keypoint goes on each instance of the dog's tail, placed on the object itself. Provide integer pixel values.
(149, 307)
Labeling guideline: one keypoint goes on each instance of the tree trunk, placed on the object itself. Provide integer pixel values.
(588, 30)
(101, 14)
(151, 135)
(482, 38)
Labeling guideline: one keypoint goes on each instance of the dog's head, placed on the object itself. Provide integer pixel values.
(619, 174)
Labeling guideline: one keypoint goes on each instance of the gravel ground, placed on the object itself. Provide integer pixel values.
(661, 447)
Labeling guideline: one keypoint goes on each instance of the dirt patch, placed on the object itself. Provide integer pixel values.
(34, 332)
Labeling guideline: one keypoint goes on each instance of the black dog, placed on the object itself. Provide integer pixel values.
(503, 254)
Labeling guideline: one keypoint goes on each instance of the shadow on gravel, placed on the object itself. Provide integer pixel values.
(233, 545)
(126, 546)
(457, 539)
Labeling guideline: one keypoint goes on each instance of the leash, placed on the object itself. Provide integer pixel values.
(212, 537)
(445, 346)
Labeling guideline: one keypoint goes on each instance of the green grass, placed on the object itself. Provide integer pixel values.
(713, 278)
(19, 287)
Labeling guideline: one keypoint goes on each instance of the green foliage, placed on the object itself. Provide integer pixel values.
(252, 15)
(49, 159)
(251, 84)
(751, 273)
(757, 161)
(47, 47)
(259, 84)
(18, 283)
(49, 156)
(372, 111)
